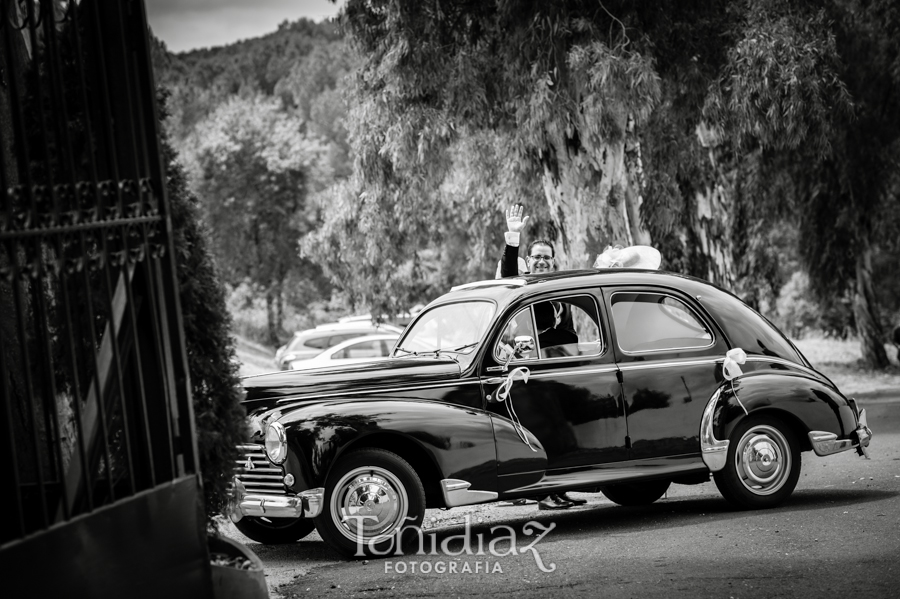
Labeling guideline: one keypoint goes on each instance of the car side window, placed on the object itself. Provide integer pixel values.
(566, 327)
(575, 330)
(318, 342)
(363, 349)
(656, 322)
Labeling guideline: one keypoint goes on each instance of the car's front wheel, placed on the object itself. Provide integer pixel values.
(274, 531)
(763, 464)
(371, 497)
(636, 493)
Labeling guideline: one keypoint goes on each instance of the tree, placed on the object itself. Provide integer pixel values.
(573, 86)
(642, 122)
(849, 197)
(390, 252)
(314, 89)
(840, 178)
(254, 170)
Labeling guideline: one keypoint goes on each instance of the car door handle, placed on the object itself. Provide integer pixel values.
(494, 380)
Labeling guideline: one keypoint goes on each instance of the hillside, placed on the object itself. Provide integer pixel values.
(200, 80)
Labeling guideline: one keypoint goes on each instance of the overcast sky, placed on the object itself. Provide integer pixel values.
(189, 24)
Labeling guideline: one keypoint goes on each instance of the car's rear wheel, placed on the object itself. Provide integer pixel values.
(274, 531)
(763, 464)
(371, 497)
(636, 493)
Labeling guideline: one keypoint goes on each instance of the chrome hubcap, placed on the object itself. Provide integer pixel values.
(369, 504)
(763, 460)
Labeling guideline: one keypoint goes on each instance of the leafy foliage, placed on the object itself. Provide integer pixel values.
(259, 124)
(744, 115)
(781, 85)
(846, 199)
(727, 127)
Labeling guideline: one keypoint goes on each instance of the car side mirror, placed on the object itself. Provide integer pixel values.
(524, 345)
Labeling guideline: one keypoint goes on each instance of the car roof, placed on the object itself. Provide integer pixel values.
(742, 325)
(531, 284)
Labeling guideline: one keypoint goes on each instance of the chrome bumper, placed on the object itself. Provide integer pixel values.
(825, 443)
(863, 433)
(306, 504)
(456, 493)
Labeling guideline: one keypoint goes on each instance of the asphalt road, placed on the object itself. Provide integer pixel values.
(838, 535)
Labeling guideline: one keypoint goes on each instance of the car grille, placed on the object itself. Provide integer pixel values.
(263, 477)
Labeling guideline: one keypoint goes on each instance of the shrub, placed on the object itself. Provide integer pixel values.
(798, 314)
(215, 385)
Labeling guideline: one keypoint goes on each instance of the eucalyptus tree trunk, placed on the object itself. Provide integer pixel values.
(868, 326)
(595, 200)
(710, 247)
(711, 254)
(272, 325)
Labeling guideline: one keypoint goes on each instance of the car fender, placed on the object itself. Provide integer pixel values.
(456, 440)
(804, 402)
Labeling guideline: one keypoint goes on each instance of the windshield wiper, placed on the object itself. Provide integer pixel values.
(437, 352)
(459, 349)
(430, 352)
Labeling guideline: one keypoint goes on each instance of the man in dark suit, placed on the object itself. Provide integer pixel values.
(553, 340)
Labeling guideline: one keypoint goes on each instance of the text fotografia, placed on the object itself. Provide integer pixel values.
(442, 567)
(415, 541)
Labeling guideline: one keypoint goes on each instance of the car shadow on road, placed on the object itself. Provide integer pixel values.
(597, 517)
(610, 519)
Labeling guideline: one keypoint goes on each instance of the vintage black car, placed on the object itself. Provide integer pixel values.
(641, 379)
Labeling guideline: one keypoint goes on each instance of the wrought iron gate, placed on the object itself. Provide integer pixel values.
(97, 432)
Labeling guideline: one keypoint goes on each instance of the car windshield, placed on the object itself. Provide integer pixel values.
(452, 329)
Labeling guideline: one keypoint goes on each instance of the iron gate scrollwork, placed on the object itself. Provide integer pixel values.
(94, 393)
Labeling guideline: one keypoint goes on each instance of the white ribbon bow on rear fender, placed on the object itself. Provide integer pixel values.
(731, 370)
(730, 367)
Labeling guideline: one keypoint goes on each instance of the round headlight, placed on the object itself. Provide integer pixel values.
(276, 442)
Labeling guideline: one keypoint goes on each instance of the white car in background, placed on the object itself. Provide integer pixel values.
(311, 342)
(358, 349)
